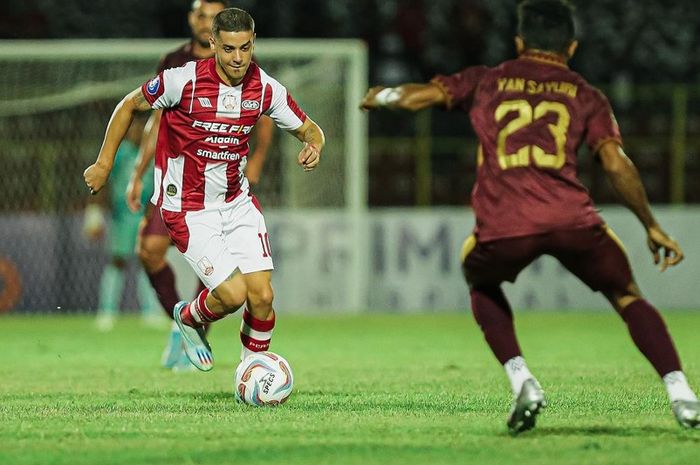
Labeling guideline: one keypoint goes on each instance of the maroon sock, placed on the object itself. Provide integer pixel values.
(493, 314)
(163, 283)
(651, 337)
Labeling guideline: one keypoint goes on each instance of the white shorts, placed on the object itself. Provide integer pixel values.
(217, 242)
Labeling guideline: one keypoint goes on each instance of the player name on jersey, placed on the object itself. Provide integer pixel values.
(517, 84)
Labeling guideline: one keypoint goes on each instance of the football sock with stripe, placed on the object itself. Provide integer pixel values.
(197, 314)
(255, 334)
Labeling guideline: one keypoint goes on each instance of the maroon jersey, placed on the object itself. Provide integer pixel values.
(530, 114)
(203, 136)
(177, 58)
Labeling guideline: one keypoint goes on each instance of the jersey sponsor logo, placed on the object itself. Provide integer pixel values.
(222, 127)
(204, 102)
(250, 104)
(222, 140)
(153, 86)
(171, 190)
(230, 102)
(205, 265)
(223, 155)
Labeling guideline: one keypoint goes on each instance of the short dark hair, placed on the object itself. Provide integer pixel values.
(546, 24)
(232, 20)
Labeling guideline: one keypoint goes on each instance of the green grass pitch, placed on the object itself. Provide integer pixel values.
(369, 389)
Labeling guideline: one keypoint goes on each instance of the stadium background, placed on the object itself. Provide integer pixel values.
(419, 168)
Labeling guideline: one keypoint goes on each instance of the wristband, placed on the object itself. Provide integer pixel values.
(388, 96)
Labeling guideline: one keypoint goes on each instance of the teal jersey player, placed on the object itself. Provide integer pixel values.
(124, 223)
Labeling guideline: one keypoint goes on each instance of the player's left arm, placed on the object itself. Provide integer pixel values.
(96, 174)
(626, 182)
(264, 129)
(410, 97)
(313, 138)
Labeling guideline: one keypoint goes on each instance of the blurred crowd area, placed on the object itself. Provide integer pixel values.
(646, 40)
(643, 53)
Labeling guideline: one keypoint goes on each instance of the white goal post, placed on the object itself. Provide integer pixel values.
(57, 96)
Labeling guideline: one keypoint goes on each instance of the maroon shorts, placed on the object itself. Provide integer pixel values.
(594, 255)
(154, 223)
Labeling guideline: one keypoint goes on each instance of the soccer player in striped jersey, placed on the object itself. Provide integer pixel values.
(153, 239)
(209, 110)
(531, 114)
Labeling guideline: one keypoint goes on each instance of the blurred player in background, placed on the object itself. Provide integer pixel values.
(209, 109)
(531, 114)
(154, 241)
(121, 234)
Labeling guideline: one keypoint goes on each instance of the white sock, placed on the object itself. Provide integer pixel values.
(677, 387)
(245, 352)
(517, 372)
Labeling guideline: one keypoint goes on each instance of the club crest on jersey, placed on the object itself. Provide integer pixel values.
(205, 266)
(171, 190)
(250, 104)
(153, 86)
(229, 102)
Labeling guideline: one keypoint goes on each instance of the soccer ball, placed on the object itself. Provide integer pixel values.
(263, 379)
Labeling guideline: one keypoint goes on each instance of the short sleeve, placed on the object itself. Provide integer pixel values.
(601, 125)
(283, 109)
(165, 89)
(459, 87)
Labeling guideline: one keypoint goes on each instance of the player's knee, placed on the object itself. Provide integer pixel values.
(621, 298)
(152, 257)
(261, 297)
(150, 262)
(231, 297)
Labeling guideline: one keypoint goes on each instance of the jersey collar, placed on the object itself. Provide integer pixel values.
(541, 56)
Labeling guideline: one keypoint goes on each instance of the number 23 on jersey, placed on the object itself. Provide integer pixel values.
(526, 115)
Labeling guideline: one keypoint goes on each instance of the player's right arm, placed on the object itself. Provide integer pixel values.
(625, 180)
(147, 151)
(96, 174)
(409, 97)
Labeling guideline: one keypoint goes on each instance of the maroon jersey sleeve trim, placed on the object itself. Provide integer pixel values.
(604, 141)
(448, 95)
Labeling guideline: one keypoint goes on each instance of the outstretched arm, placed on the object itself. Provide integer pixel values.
(624, 177)
(410, 97)
(263, 139)
(313, 138)
(96, 174)
(147, 151)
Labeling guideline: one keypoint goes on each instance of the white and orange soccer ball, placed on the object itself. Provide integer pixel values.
(263, 379)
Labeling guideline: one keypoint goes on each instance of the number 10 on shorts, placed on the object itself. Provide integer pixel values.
(265, 242)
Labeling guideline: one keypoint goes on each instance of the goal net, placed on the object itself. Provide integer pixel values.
(55, 100)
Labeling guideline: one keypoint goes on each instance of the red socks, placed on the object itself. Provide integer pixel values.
(256, 334)
(197, 314)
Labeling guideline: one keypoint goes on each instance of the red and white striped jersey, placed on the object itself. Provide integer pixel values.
(203, 136)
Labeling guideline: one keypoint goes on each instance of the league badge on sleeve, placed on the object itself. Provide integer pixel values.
(153, 86)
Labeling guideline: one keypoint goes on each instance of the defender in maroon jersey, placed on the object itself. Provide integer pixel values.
(209, 110)
(153, 240)
(531, 114)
